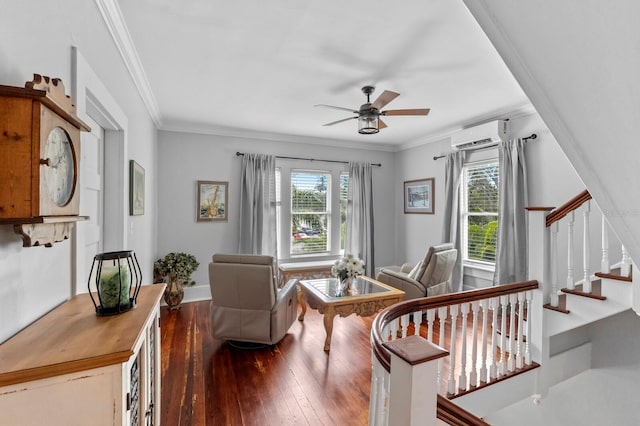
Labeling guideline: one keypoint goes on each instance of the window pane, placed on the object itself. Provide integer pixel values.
(481, 212)
(309, 212)
(344, 192)
(481, 241)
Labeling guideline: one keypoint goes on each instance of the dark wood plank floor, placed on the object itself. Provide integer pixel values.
(207, 382)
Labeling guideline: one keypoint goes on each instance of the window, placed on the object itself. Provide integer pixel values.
(311, 208)
(480, 212)
(310, 214)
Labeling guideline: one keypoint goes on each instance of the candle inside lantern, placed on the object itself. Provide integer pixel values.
(113, 284)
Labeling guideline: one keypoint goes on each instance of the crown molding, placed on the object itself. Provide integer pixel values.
(112, 16)
(236, 132)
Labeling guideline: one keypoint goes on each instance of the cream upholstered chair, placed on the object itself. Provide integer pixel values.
(430, 277)
(246, 304)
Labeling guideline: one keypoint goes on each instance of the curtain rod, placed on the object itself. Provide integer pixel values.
(532, 137)
(238, 154)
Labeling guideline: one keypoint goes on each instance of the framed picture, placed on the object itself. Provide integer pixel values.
(212, 200)
(136, 189)
(419, 196)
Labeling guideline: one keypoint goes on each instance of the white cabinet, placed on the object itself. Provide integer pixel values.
(73, 368)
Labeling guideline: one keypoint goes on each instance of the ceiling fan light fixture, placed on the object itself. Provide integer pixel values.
(368, 124)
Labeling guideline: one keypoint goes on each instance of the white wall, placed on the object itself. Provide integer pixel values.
(185, 158)
(36, 37)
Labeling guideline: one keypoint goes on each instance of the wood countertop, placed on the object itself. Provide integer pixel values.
(72, 338)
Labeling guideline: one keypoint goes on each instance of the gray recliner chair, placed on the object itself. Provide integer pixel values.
(430, 277)
(246, 303)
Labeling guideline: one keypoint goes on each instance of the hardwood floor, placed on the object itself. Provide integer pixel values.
(208, 382)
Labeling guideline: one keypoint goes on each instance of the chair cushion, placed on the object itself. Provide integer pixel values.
(414, 272)
(427, 258)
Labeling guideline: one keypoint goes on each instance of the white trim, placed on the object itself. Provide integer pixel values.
(92, 99)
(114, 20)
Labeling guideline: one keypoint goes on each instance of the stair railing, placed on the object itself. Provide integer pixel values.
(486, 333)
(565, 215)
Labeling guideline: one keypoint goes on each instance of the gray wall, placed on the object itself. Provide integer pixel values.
(185, 158)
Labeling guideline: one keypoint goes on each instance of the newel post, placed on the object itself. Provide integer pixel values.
(413, 390)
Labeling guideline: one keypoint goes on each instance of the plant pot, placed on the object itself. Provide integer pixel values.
(174, 293)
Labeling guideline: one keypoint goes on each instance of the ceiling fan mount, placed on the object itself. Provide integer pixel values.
(369, 113)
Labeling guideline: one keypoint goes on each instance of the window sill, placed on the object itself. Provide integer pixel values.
(478, 270)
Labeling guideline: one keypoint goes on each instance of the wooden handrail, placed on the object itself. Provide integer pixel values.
(568, 207)
(453, 414)
(393, 312)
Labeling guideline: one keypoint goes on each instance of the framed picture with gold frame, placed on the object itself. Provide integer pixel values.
(213, 198)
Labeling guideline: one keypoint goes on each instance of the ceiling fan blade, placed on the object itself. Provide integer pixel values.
(415, 111)
(339, 121)
(337, 107)
(384, 98)
(381, 124)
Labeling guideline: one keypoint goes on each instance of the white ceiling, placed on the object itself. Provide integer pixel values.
(247, 67)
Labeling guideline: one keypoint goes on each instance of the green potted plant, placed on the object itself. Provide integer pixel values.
(176, 268)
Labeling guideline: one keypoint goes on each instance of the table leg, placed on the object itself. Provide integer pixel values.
(329, 314)
(302, 301)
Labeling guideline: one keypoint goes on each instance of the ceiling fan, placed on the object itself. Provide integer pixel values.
(368, 115)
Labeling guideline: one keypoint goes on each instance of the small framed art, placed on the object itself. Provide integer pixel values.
(419, 196)
(136, 189)
(212, 200)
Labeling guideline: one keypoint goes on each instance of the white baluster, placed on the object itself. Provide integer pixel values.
(462, 379)
(504, 301)
(493, 367)
(586, 257)
(442, 316)
(625, 264)
(473, 375)
(527, 349)
(386, 330)
(405, 324)
(485, 327)
(554, 265)
(604, 263)
(513, 298)
(431, 316)
(451, 384)
(417, 320)
(571, 281)
(520, 337)
(393, 328)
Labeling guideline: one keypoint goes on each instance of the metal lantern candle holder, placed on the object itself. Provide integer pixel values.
(117, 282)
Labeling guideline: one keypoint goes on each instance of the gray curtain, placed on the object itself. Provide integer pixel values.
(451, 230)
(359, 240)
(511, 246)
(258, 205)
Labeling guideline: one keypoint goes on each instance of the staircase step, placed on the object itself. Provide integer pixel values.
(596, 290)
(614, 274)
(619, 291)
(562, 305)
(583, 311)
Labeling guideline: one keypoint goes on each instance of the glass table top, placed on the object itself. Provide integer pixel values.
(328, 287)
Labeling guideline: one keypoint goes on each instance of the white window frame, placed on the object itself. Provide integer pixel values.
(464, 216)
(286, 167)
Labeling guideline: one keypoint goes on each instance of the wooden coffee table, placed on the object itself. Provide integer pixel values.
(370, 297)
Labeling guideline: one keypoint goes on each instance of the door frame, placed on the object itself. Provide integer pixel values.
(92, 99)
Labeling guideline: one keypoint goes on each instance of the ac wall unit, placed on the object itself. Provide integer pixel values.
(482, 135)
